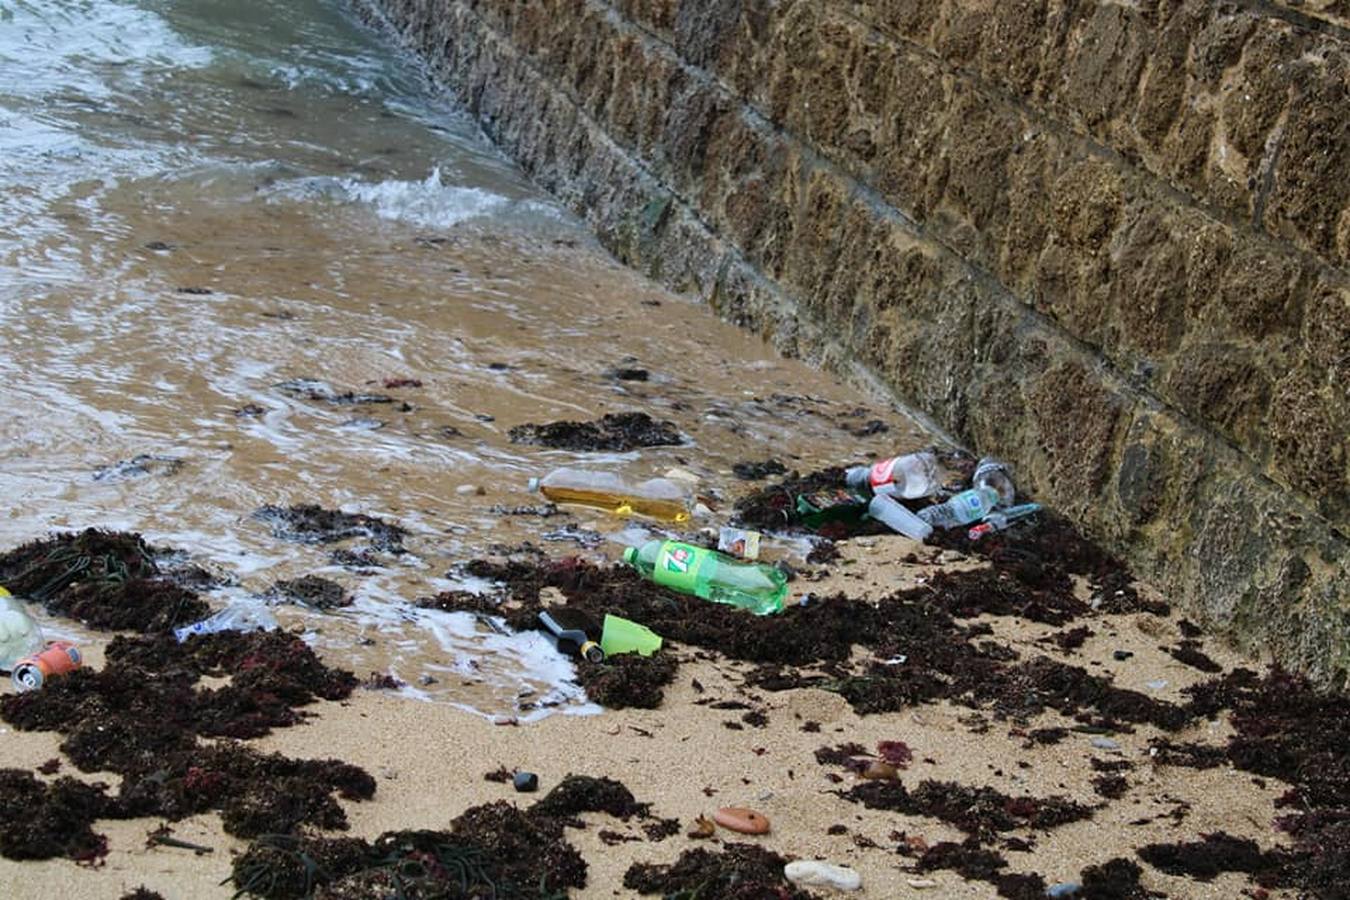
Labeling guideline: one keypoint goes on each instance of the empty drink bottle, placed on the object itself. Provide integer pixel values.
(711, 575)
(655, 498)
(915, 475)
(897, 517)
(20, 635)
(967, 506)
(989, 472)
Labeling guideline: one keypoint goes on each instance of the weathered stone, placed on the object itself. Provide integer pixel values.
(1060, 229)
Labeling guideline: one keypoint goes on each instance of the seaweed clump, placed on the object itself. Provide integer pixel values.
(312, 524)
(107, 580)
(612, 432)
(143, 717)
(628, 680)
(313, 591)
(43, 820)
(740, 871)
(577, 794)
(981, 813)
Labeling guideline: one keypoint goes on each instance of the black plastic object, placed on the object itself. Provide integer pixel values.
(575, 633)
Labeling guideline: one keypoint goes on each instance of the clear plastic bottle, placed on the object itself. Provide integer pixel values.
(990, 472)
(235, 617)
(915, 475)
(895, 516)
(655, 498)
(20, 635)
(967, 506)
(711, 575)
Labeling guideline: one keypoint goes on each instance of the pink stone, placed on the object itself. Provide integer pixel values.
(738, 818)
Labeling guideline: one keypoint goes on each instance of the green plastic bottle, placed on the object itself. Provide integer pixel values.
(711, 575)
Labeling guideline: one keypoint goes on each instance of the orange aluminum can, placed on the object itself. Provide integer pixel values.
(31, 672)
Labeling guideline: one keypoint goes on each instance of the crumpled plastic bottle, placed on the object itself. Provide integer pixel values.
(235, 617)
(20, 635)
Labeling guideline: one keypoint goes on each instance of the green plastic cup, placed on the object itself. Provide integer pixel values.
(622, 636)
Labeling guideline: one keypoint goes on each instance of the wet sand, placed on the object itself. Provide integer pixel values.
(429, 761)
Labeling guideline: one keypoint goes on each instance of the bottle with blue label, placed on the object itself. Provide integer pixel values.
(711, 575)
(965, 507)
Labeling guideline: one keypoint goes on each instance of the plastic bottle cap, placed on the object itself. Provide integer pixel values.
(532, 485)
(630, 555)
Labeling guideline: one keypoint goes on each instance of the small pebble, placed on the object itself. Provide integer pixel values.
(526, 782)
(880, 771)
(427, 680)
(920, 883)
(1105, 743)
(738, 818)
(467, 489)
(1064, 889)
(1122, 655)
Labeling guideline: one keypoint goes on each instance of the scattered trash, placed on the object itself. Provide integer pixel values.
(620, 636)
(1064, 889)
(820, 508)
(1156, 684)
(710, 575)
(235, 617)
(1105, 743)
(915, 475)
(920, 884)
(31, 672)
(1001, 520)
(963, 508)
(525, 782)
(20, 635)
(897, 517)
(740, 542)
(742, 820)
(573, 630)
(992, 473)
(655, 498)
(812, 873)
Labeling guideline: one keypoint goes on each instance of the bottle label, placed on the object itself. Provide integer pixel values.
(678, 565)
(972, 501)
(882, 472)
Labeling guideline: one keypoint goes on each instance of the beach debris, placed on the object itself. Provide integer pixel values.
(312, 524)
(238, 616)
(920, 884)
(898, 518)
(741, 819)
(617, 432)
(322, 391)
(107, 580)
(704, 827)
(663, 499)
(1105, 743)
(139, 466)
(739, 870)
(911, 476)
(738, 542)
(574, 632)
(163, 837)
(813, 873)
(619, 635)
(313, 591)
(878, 770)
(525, 782)
(577, 794)
(20, 635)
(710, 575)
(1064, 889)
(1121, 655)
(31, 672)
(758, 471)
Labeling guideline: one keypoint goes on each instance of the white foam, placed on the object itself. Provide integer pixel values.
(427, 203)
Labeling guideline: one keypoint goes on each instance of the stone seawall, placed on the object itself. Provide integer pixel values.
(1110, 241)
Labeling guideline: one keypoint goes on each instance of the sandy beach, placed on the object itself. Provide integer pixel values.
(688, 757)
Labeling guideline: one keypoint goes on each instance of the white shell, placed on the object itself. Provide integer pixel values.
(811, 873)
